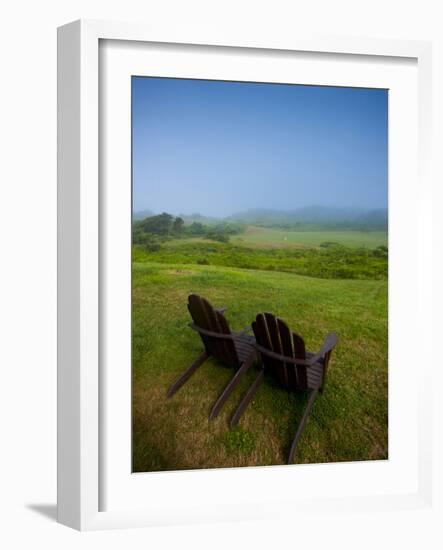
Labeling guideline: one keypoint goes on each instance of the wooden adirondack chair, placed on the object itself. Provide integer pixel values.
(284, 355)
(232, 348)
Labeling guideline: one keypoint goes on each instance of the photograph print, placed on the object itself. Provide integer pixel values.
(259, 274)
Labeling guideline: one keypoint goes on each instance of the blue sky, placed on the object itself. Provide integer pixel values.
(217, 147)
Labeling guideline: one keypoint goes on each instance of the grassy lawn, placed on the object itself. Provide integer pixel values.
(349, 422)
(264, 237)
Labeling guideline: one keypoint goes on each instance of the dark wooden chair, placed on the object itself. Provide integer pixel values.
(232, 348)
(283, 354)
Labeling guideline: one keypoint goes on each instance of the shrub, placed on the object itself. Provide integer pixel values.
(215, 236)
(152, 246)
(330, 244)
(380, 252)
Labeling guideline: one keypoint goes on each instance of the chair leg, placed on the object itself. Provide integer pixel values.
(301, 426)
(247, 398)
(233, 383)
(187, 374)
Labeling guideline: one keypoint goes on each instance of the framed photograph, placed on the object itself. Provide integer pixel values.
(243, 294)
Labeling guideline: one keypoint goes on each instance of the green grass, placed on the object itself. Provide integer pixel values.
(265, 237)
(333, 262)
(349, 422)
(239, 440)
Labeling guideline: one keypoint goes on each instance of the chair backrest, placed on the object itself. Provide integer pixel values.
(208, 318)
(273, 334)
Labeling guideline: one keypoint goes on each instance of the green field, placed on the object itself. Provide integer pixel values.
(349, 421)
(264, 237)
(333, 261)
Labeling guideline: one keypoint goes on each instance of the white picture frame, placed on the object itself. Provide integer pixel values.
(81, 412)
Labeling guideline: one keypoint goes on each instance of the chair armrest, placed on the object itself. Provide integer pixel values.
(210, 332)
(293, 360)
(329, 344)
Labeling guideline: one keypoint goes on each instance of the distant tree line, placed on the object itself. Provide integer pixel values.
(154, 230)
(341, 225)
(316, 218)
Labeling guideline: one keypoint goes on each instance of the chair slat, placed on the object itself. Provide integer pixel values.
(229, 346)
(274, 336)
(211, 319)
(300, 353)
(288, 350)
(261, 332)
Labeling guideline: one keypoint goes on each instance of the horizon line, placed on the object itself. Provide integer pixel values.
(265, 209)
